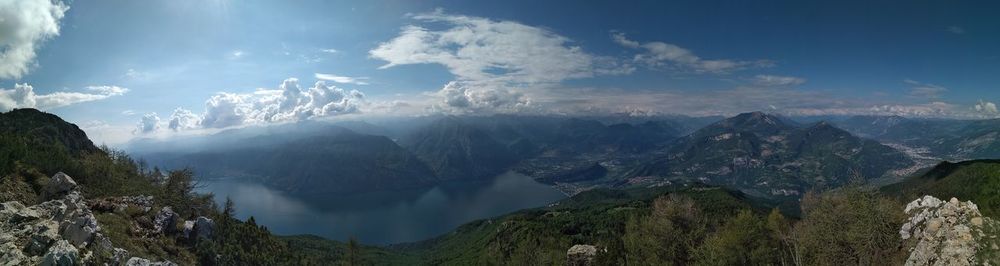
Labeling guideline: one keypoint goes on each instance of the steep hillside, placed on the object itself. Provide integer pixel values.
(455, 150)
(46, 128)
(976, 180)
(336, 162)
(764, 153)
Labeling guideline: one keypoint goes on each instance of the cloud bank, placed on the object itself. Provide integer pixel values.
(24, 25)
(24, 96)
(289, 102)
(493, 61)
(481, 49)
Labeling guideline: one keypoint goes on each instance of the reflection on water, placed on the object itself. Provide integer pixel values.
(383, 218)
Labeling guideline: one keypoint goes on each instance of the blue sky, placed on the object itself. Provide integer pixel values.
(123, 69)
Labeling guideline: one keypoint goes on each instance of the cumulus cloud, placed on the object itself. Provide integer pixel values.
(460, 97)
(24, 96)
(287, 103)
(149, 123)
(183, 119)
(342, 79)
(24, 25)
(986, 108)
(925, 90)
(661, 54)
(771, 80)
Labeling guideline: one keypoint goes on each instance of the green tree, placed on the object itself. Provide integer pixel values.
(742, 240)
(850, 226)
(352, 256)
(667, 236)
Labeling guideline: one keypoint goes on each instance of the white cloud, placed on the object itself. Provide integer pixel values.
(183, 119)
(108, 90)
(481, 49)
(342, 79)
(236, 54)
(106, 134)
(661, 54)
(460, 97)
(771, 80)
(494, 62)
(329, 51)
(956, 30)
(985, 108)
(24, 25)
(287, 103)
(149, 123)
(129, 112)
(925, 90)
(24, 96)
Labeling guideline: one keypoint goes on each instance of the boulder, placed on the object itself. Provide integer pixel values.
(119, 257)
(62, 254)
(203, 227)
(80, 230)
(188, 229)
(59, 184)
(166, 221)
(43, 236)
(581, 255)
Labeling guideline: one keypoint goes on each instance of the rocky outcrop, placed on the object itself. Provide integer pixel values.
(581, 255)
(60, 231)
(60, 184)
(166, 221)
(943, 233)
(120, 204)
(199, 228)
(62, 253)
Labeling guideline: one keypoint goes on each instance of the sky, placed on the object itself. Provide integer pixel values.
(127, 69)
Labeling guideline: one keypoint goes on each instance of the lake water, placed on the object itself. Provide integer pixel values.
(383, 218)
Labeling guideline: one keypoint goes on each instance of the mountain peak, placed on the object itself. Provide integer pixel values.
(755, 121)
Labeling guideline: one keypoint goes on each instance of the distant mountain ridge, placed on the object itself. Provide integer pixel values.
(941, 138)
(759, 152)
(762, 152)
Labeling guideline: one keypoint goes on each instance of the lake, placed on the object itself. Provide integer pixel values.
(387, 217)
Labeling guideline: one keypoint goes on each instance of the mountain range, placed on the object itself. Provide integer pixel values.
(762, 154)
(628, 221)
(767, 154)
(939, 139)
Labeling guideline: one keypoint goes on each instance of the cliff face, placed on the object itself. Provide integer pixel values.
(59, 231)
(948, 233)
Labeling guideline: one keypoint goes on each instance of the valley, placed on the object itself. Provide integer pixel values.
(619, 191)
